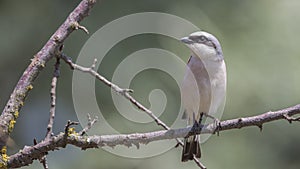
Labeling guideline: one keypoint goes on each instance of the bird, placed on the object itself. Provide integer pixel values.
(203, 88)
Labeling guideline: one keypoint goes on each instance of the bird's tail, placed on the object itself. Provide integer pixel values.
(191, 147)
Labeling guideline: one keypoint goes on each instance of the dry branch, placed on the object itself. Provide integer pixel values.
(29, 153)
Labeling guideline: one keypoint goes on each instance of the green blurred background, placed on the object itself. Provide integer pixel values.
(260, 41)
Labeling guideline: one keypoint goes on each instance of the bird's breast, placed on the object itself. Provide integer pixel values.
(204, 86)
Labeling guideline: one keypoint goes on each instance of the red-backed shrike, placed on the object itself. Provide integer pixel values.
(204, 85)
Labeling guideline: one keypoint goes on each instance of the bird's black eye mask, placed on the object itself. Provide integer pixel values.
(204, 40)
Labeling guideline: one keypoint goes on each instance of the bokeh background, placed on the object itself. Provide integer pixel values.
(260, 41)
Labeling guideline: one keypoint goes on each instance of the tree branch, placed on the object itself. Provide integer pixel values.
(53, 99)
(29, 153)
(25, 83)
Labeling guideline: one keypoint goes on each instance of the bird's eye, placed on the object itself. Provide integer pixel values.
(202, 38)
(199, 39)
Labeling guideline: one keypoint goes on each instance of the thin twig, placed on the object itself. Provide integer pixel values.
(44, 162)
(291, 119)
(124, 92)
(68, 125)
(91, 122)
(199, 164)
(43, 159)
(53, 99)
(49, 133)
(76, 26)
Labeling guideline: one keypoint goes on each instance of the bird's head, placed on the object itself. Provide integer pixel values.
(204, 45)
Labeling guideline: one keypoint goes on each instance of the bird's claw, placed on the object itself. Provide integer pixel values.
(218, 126)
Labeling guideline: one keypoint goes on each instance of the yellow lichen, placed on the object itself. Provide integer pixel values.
(71, 131)
(3, 151)
(3, 165)
(29, 87)
(11, 125)
(16, 114)
(21, 103)
(22, 95)
(5, 157)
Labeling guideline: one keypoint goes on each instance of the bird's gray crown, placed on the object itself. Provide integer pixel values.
(205, 38)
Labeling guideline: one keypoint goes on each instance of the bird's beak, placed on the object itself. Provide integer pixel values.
(186, 40)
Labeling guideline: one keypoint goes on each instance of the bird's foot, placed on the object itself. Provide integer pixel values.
(197, 127)
(217, 122)
(194, 128)
(218, 127)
